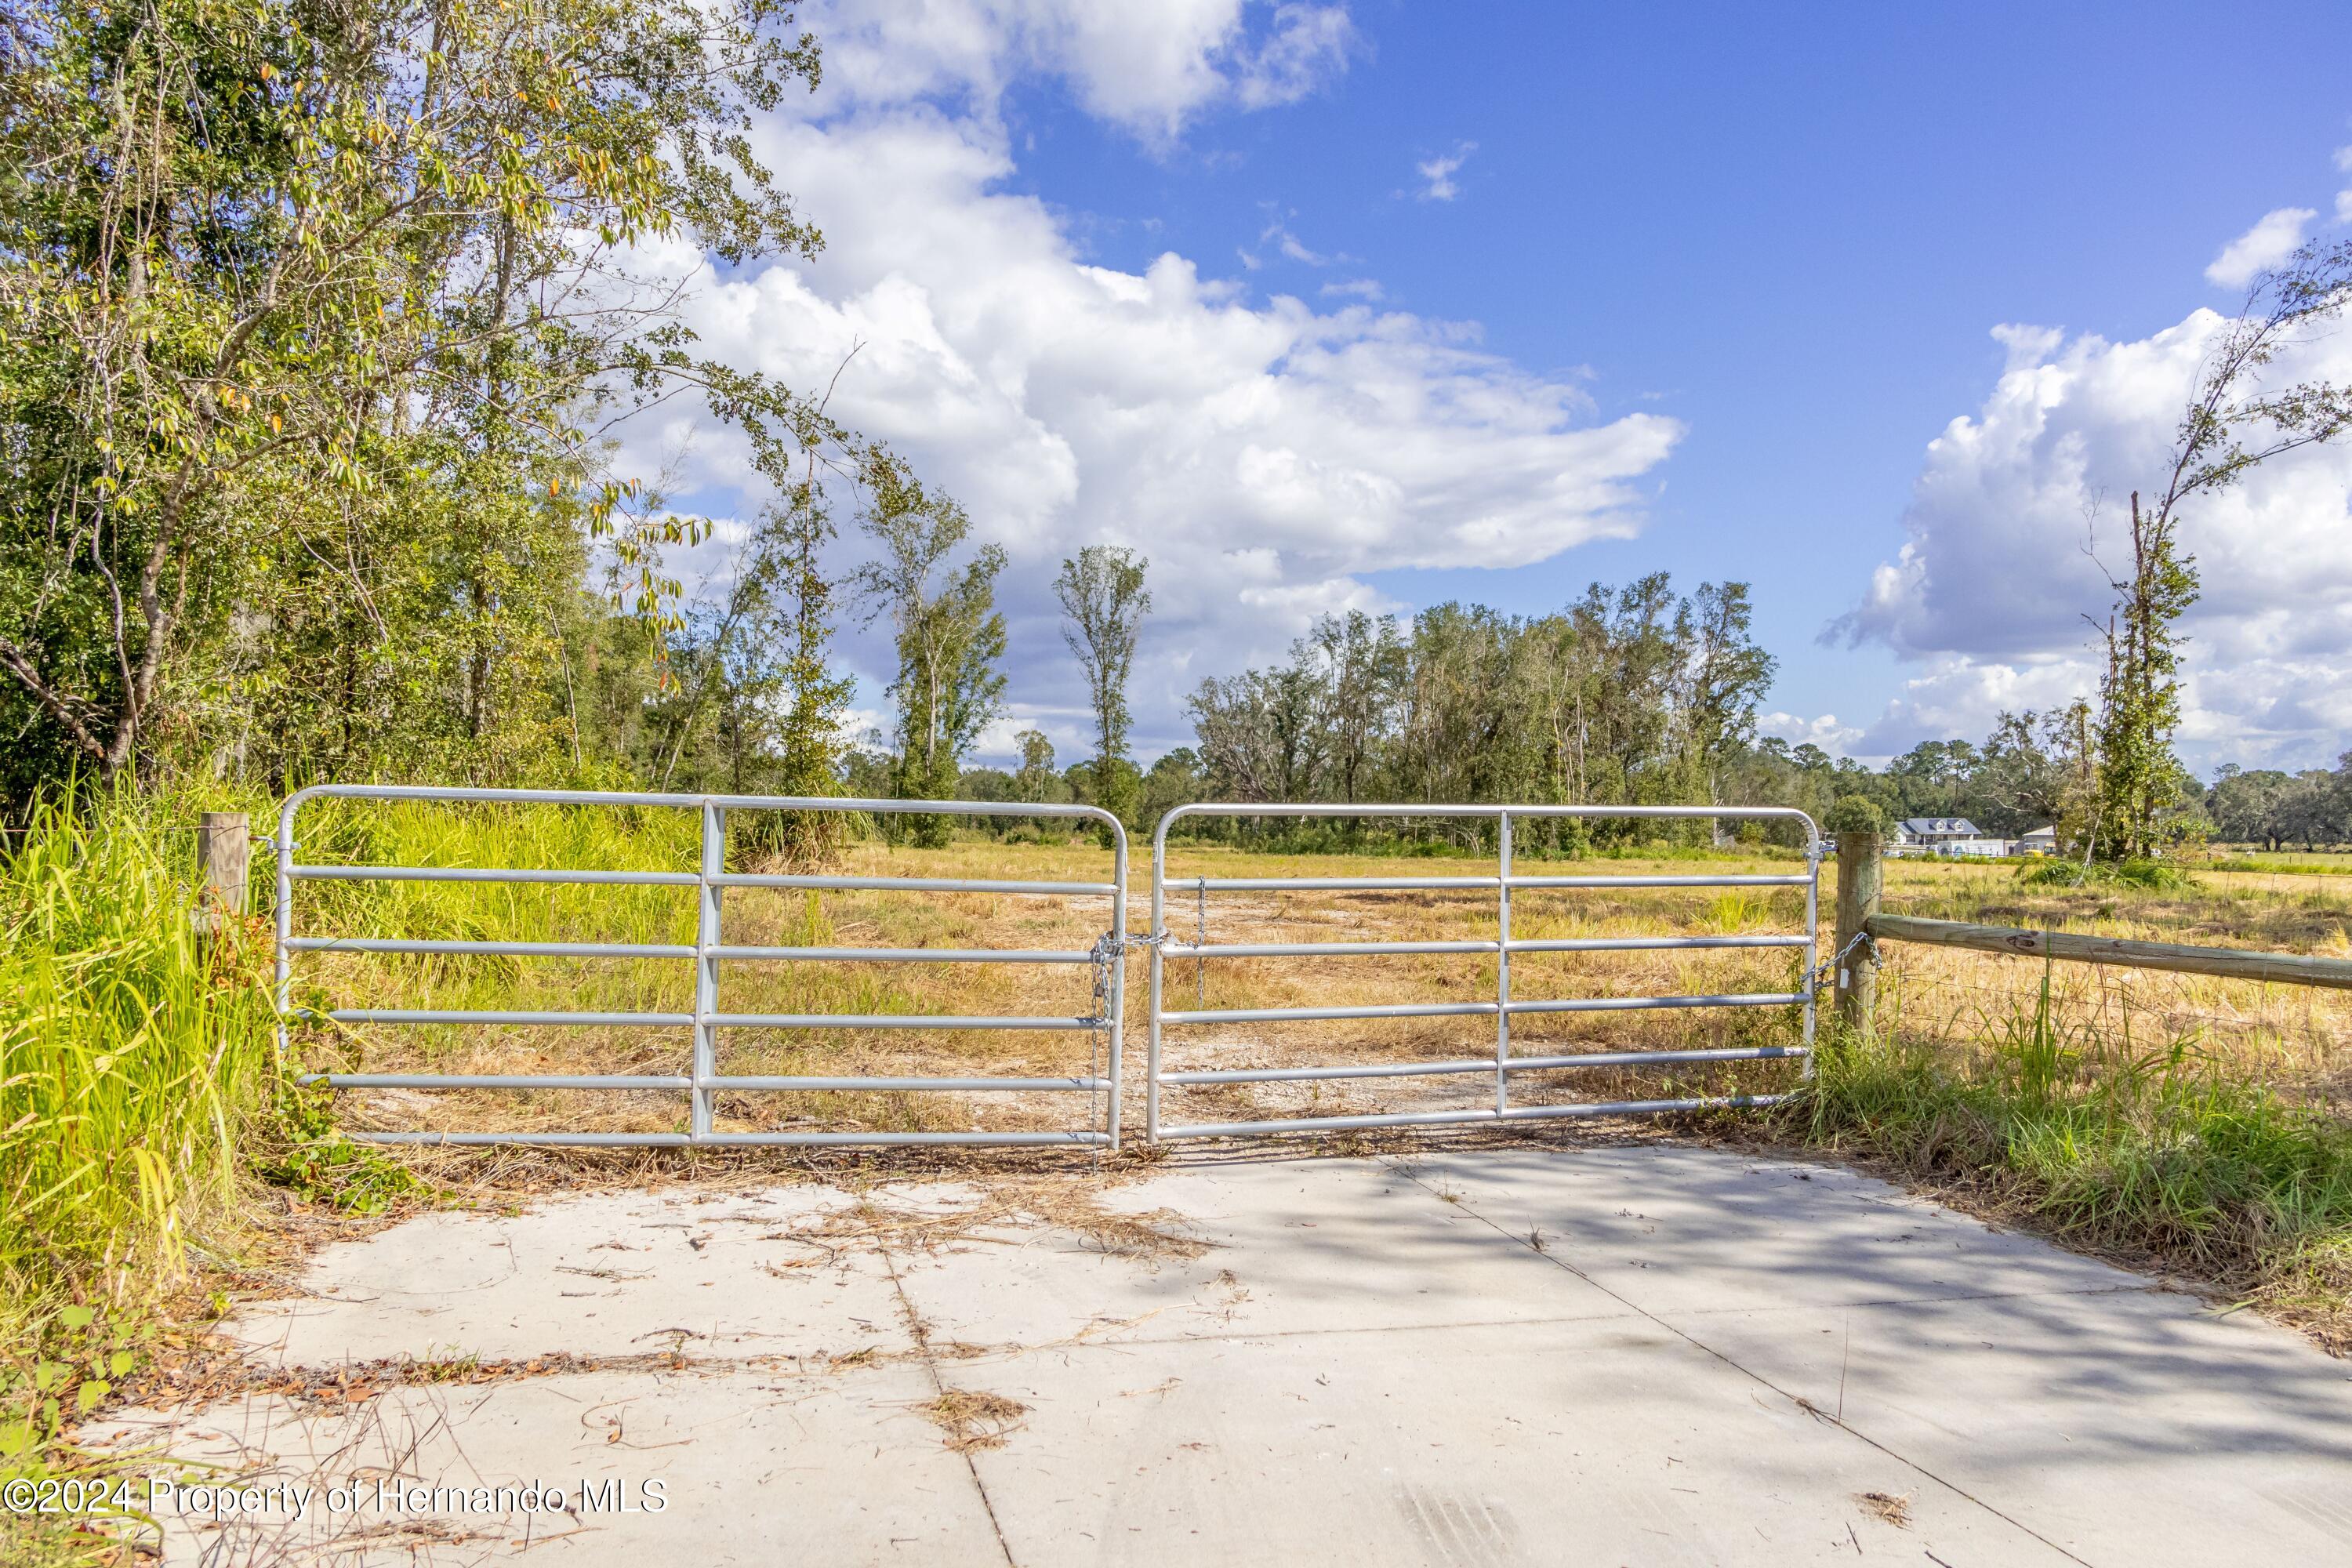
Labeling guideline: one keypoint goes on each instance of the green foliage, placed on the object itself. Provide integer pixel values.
(68, 1361)
(1855, 813)
(754, 704)
(318, 1166)
(311, 318)
(2265, 806)
(2231, 425)
(950, 635)
(1638, 696)
(2140, 782)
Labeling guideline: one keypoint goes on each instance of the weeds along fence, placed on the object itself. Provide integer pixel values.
(134, 1051)
(2089, 1002)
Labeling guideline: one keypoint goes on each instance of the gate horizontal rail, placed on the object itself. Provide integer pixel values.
(703, 1082)
(1504, 1006)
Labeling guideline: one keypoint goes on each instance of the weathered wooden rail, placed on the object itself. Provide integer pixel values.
(1861, 926)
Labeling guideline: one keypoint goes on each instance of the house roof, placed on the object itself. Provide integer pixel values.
(2050, 832)
(1941, 827)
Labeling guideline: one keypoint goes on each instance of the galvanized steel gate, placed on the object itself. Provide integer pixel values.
(1504, 1007)
(703, 1082)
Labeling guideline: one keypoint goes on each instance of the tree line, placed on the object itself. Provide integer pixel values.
(1636, 695)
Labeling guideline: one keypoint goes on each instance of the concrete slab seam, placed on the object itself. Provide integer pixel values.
(939, 1386)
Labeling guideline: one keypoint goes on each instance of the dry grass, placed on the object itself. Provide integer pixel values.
(2170, 1069)
(1003, 1206)
(974, 1421)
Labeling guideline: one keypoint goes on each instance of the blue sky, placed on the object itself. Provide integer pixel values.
(1791, 235)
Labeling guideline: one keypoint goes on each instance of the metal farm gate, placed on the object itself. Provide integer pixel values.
(702, 1082)
(1505, 1005)
(709, 950)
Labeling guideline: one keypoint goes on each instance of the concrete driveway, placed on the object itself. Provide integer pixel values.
(1636, 1354)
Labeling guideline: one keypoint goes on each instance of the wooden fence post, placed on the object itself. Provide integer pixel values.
(224, 851)
(1860, 872)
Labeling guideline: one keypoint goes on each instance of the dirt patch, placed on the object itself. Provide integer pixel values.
(1887, 1508)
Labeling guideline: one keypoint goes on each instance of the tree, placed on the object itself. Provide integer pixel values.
(2231, 425)
(1261, 734)
(309, 326)
(2265, 806)
(1633, 695)
(950, 635)
(1361, 664)
(1174, 780)
(1729, 677)
(1036, 778)
(2020, 780)
(1104, 602)
(814, 695)
(2139, 695)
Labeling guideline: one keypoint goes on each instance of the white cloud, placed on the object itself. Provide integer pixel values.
(1823, 730)
(1147, 66)
(1989, 592)
(1437, 173)
(1264, 454)
(2268, 243)
(1308, 45)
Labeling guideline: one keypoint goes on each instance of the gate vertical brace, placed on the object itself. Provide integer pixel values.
(1503, 969)
(706, 970)
(1158, 933)
(285, 916)
(1816, 853)
(1116, 1002)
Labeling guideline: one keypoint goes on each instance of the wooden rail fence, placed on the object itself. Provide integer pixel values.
(1861, 926)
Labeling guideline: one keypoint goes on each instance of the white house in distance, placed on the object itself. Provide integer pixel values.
(2041, 841)
(1945, 835)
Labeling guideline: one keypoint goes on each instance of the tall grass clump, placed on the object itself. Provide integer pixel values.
(2153, 1152)
(2150, 876)
(134, 1059)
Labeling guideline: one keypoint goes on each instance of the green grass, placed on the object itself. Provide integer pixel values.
(133, 1056)
(2155, 875)
(2285, 864)
(136, 1070)
(2155, 1153)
